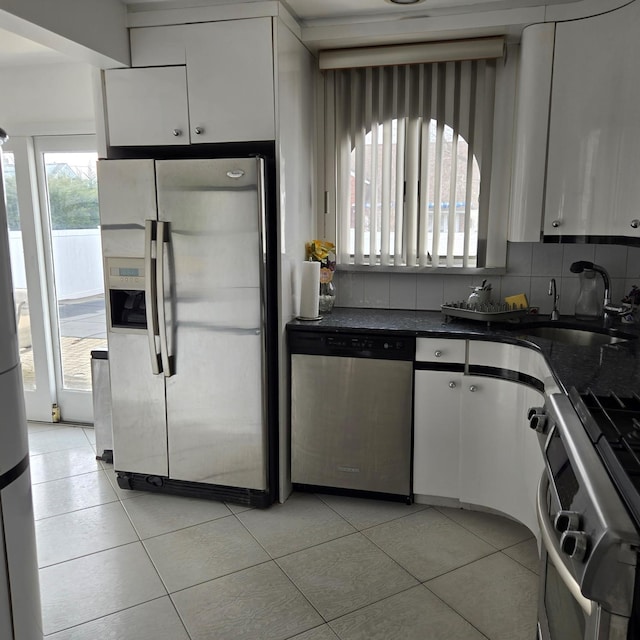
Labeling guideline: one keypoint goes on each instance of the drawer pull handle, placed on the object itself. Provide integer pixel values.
(177, 132)
(452, 385)
(635, 223)
(473, 388)
(437, 354)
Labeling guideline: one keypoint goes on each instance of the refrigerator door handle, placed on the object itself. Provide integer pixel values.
(150, 294)
(163, 238)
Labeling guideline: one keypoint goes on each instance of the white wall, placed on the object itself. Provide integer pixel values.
(45, 99)
(93, 31)
(296, 128)
(77, 261)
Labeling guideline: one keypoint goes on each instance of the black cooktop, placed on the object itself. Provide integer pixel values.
(613, 424)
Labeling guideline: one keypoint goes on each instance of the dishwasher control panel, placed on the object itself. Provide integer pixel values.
(356, 345)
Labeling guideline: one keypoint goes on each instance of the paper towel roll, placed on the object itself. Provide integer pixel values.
(310, 289)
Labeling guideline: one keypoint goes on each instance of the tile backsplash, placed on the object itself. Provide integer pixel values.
(530, 266)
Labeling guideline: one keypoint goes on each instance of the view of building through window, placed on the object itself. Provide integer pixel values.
(437, 167)
(73, 228)
(72, 193)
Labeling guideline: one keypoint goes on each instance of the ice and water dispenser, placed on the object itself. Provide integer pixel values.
(126, 287)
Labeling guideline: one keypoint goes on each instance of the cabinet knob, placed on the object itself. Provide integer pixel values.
(177, 132)
(555, 224)
(452, 385)
(437, 354)
(198, 130)
(473, 388)
(635, 223)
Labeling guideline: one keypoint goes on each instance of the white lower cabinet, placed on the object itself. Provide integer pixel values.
(436, 443)
(472, 442)
(497, 447)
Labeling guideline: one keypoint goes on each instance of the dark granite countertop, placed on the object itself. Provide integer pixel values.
(613, 367)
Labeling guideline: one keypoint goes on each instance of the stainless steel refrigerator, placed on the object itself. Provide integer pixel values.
(190, 314)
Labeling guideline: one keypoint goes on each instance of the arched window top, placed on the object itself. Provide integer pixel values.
(413, 195)
(409, 143)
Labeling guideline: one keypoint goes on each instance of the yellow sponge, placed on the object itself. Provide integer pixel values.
(519, 301)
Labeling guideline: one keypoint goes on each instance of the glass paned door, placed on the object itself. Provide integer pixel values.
(18, 272)
(77, 262)
(71, 229)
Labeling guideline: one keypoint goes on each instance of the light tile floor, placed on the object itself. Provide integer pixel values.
(129, 565)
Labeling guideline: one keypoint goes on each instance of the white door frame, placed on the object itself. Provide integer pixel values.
(76, 406)
(38, 401)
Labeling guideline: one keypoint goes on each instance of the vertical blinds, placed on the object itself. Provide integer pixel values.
(411, 142)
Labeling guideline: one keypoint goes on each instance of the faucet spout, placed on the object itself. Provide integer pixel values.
(553, 291)
(581, 265)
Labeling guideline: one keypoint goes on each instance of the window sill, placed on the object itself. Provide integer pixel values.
(436, 271)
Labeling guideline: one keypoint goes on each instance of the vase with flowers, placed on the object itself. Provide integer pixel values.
(324, 252)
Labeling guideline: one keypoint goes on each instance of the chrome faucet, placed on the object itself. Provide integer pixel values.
(555, 314)
(580, 266)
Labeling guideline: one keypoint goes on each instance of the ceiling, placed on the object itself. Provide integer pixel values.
(16, 50)
(353, 10)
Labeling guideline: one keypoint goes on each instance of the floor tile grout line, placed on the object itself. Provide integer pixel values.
(88, 555)
(64, 513)
(80, 624)
(166, 533)
(370, 604)
(86, 473)
(318, 626)
(182, 620)
(535, 573)
(353, 534)
(477, 535)
(426, 506)
(275, 561)
(224, 575)
(466, 564)
(375, 544)
(455, 611)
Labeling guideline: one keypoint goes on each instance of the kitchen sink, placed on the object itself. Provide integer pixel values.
(580, 337)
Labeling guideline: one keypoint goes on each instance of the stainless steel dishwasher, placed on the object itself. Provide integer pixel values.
(351, 408)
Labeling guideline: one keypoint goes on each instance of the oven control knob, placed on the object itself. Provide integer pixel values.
(575, 544)
(534, 411)
(538, 421)
(567, 521)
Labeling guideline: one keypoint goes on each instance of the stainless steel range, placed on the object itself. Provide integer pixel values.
(589, 514)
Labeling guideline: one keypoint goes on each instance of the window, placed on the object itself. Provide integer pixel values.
(412, 151)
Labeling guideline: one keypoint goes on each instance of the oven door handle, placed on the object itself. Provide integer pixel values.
(548, 540)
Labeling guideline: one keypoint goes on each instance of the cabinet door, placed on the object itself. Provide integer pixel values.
(436, 433)
(230, 75)
(500, 463)
(147, 106)
(594, 138)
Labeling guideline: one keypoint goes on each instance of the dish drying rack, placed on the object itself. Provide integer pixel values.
(484, 312)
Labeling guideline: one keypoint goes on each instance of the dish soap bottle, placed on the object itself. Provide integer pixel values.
(587, 305)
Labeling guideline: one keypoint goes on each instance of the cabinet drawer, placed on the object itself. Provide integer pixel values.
(440, 350)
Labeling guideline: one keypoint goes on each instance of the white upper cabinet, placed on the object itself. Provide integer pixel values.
(221, 88)
(230, 77)
(530, 141)
(593, 185)
(147, 106)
